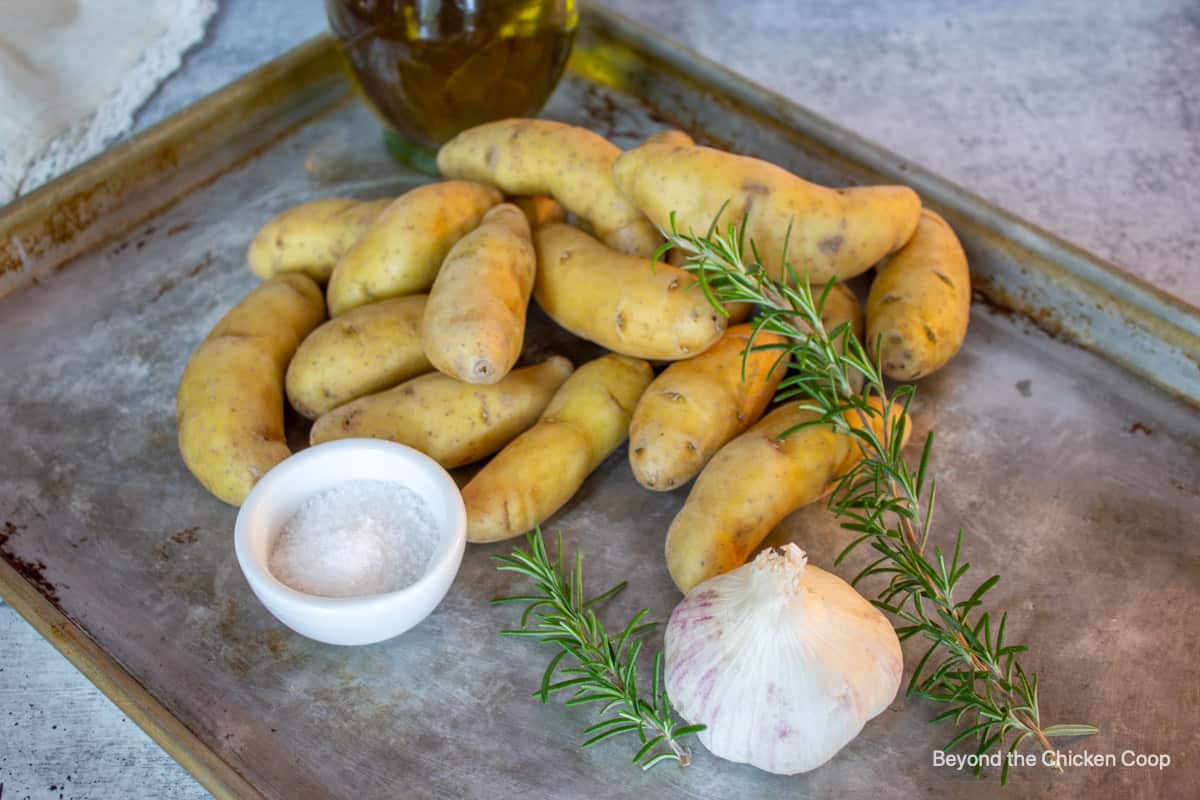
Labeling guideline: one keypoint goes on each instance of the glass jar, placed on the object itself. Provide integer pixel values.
(433, 68)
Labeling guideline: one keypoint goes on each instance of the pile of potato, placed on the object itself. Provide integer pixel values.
(427, 296)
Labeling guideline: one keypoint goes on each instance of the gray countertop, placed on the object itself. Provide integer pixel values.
(1081, 116)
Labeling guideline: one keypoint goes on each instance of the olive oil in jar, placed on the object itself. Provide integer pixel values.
(434, 68)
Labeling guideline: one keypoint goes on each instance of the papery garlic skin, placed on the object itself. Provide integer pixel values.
(783, 661)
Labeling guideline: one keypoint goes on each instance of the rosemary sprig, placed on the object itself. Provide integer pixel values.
(605, 667)
(969, 665)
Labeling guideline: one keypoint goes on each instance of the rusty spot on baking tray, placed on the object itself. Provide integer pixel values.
(244, 655)
(1003, 303)
(185, 536)
(1138, 427)
(276, 642)
(173, 281)
(74, 214)
(32, 571)
(603, 112)
(982, 299)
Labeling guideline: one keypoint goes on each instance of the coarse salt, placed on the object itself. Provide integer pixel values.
(358, 538)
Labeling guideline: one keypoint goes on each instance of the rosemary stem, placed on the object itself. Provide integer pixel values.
(845, 389)
(597, 654)
(605, 668)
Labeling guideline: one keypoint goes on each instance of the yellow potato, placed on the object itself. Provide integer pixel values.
(841, 305)
(366, 350)
(749, 486)
(738, 312)
(671, 138)
(474, 325)
(539, 210)
(452, 422)
(310, 238)
(540, 470)
(624, 303)
(572, 165)
(835, 233)
(696, 406)
(401, 252)
(920, 302)
(229, 409)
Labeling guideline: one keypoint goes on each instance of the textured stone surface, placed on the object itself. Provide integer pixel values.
(1084, 117)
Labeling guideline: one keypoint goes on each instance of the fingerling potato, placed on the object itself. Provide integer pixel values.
(474, 326)
(543, 468)
(452, 422)
(541, 157)
(311, 237)
(695, 406)
(366, 350)
(400, 253)
(627, 304)
(750, 485)
(830, 233)
(229, 407)
(920, 303)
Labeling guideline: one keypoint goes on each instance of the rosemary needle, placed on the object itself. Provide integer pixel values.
(969, 665)
(603, 669)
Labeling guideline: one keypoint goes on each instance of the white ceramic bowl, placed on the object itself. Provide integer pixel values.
(349, 620)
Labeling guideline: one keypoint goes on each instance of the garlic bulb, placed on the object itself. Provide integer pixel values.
(784, 662)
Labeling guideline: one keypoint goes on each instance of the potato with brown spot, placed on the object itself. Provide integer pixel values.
(920, 303)
(474, 325)
(452, 422)
(748, 488)
(541, 157)
(627, 304)
(695, 406)
(400, 253)
(543, 468)
(366, 350)
(310, 238)
(229, 408)
(834, 233)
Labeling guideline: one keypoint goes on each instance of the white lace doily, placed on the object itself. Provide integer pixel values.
(74, 72)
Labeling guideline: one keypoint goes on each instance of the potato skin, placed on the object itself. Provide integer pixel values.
(540, 470)
(539, 210)
(229, 408)
(626, 304)
(671, 137)
(748, 488)
(835, 233)
(695, 406)
(572, 165)
(841, 305)
(366, 350)
(474, 325)
(311, 237)
(452, 422)
(402, 251)
(738, 312)
(920, 302)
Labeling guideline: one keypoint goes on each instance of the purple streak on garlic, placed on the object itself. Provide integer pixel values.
(783, 661)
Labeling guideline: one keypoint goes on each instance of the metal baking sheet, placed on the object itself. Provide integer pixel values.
(1074, 472)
